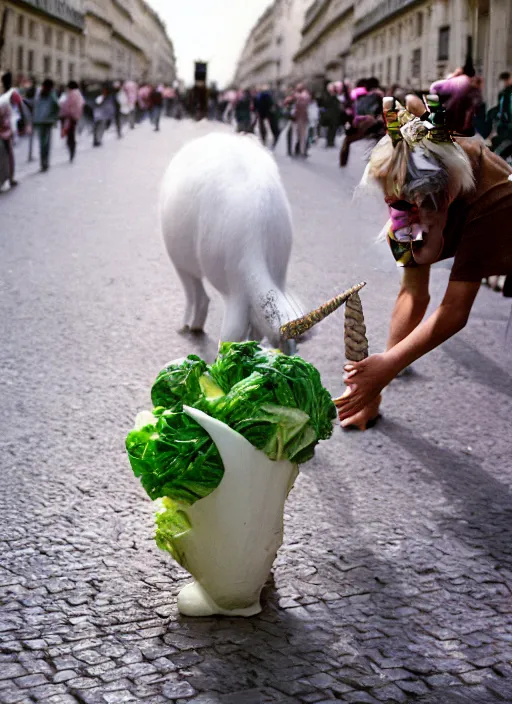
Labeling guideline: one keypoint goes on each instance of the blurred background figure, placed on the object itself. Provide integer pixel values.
(120, 106)
(302, 101)
(156, 102)
(104, 113)
(244, 112)
(130, 88)
(143, 101)
(266, 111)
(10, 103)
(500, 118)
(46, 113)
(331, 114)
(71, 110)
(313, 121)
(367, 118)
(461, 95)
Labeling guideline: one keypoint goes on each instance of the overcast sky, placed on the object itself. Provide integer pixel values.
(209, 30)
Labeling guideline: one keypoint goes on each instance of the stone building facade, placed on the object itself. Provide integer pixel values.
(91, 40)
(410, 42)
(413, 42)
(126, 39)
(326, 39)
(42, 38)
(267, 57)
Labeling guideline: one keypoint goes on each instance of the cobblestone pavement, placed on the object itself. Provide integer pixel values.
(393, 583)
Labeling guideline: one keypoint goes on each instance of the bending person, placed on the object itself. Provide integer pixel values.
(475, 228)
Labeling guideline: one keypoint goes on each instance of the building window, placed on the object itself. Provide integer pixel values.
(399, 33)
(20, 58)
(59, 68)
(32, 30)
(71, 71)
(398, 68)
(372, 73)
(47, 65)
(416, 63)
(72, 45)
(21, 25)
(419, 24)
(60, 40)
(388, 72)
(30, 60)
(48, 36)
(443, 47)
(383, 41)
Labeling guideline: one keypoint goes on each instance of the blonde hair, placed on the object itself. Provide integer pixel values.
(388, 166)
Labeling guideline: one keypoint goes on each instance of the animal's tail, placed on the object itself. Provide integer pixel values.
(271, 307)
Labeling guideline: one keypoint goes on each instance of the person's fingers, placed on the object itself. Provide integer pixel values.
(350, 408)
(349, 375)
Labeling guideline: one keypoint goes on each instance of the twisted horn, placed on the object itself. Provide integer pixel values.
(298, 327)
(356, 342)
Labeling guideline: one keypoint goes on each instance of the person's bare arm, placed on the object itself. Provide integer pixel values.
(411, 304)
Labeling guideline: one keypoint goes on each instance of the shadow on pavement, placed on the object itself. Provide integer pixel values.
(483, 369)
(478, 497)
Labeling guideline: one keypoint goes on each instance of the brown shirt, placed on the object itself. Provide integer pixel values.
(478, 231)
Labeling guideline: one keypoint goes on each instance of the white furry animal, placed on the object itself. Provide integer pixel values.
(226, 218)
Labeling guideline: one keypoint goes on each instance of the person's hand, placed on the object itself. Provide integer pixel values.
(365, 381)
(365, 418)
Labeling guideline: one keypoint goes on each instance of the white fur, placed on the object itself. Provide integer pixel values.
(226, 218)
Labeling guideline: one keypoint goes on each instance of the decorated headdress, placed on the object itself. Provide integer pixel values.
(418, 160)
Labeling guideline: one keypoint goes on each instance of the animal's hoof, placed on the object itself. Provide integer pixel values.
(196, 331)
(184, 330)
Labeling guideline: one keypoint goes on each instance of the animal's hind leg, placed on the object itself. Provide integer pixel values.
(201, 302)
(235, 324)
(189, 286)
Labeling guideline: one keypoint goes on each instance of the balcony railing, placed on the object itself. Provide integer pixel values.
(384, 11)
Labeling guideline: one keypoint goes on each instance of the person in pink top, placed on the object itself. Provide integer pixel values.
(461, 95)
(302, 99)
(131, 90)
(70, 113)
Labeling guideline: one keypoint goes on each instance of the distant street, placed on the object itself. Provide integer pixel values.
(394, 581)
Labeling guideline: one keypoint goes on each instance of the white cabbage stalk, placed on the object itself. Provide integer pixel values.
(236, 530)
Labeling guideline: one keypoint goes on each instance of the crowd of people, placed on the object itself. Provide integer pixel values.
(28, 109)
(355, 112)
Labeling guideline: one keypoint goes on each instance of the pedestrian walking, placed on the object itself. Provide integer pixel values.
(155, 105)
(71, 110)
(367, 115)
(313, 120)
(461, 95)
(265, 108)
(120, 104)
(103, 114)
(131, 91)
(501, 118)
(46, 113)
(470, 222)
(11, 103)
(243, 112)
(302, 99)
(331, 115)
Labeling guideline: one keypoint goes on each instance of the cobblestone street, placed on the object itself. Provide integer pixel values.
(394, 581)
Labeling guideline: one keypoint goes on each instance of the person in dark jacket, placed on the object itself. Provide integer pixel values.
(265, 108)
(46, 113)
(156, 102)
(331, 114)
(243, 112)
